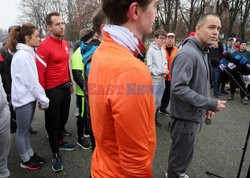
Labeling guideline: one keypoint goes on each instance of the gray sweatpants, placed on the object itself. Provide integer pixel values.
(24, 116)
(5, 140)
(158, 87)
(182, 148)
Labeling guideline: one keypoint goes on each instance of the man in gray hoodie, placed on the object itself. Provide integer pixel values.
(189, 96)
(157, 64)
(4, 132)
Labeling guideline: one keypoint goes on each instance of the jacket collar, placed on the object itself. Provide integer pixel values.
(21, 46)
(196, 43)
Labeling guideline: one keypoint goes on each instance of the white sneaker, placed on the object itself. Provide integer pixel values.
(86, 136)
(165, 174)
(77, 112)
(184, 176)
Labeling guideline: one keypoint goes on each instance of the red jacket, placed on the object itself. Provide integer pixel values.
(122, 117)
(52, 60)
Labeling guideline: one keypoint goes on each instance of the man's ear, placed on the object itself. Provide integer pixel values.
(133, 11)
(198, 27)
(48, 27)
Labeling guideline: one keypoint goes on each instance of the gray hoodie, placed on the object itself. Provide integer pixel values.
(3, 98)
(190, 86)
(156, 61)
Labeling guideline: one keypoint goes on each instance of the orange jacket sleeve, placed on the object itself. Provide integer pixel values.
(133, 113)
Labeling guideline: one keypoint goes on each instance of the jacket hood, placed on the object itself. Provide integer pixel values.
(87, 50)
(21, 46)
(154, 45)
(194, 41)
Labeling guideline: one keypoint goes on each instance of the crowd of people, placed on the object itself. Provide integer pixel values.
(118, 96)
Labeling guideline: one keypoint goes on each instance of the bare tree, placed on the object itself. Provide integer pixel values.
(191, 13)
(85, 11)
(244, 17)
(165, 12)
(176, 14)
(234, 8)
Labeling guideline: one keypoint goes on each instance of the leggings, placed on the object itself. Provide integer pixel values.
(24, 116)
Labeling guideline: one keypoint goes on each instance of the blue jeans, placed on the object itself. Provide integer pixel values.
(216, 75)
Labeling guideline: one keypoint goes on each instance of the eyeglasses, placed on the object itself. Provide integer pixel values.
(162, 38)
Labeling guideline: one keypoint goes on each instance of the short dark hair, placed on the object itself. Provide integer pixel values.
(116, 11)
(243, 41)
(48, 17)
(98, 19)
(160, 32)
(203, 17)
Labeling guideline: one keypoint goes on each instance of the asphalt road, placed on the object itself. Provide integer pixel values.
(218, 147)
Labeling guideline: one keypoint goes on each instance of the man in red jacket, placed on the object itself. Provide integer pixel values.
(53, 70)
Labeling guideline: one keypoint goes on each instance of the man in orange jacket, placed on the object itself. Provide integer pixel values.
(171, 51)
(120, 93)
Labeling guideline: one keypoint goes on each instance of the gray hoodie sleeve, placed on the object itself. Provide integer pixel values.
(182, 71)
(150, 60)
(3, 98)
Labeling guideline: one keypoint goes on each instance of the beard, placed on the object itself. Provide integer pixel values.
(58, 34)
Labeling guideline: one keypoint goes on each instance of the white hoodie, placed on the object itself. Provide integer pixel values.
(25, 83)
(156, 61)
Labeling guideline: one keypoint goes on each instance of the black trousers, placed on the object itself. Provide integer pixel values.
(166, 96)
(57, 115)
(233, 85)
(88, 119)
(81, 120)
(223, 79)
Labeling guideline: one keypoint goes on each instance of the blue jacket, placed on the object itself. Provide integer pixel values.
(86, 51)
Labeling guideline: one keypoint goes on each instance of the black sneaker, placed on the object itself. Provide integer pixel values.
(31, 165)
(66, 133)
(38, 159)
(67, 146)
(57, 163)
(82, 142)
(164, 111)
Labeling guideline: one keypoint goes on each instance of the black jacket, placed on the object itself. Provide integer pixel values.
(5, 70)
(215, 55)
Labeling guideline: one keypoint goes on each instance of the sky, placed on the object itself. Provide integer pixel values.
(9, 13)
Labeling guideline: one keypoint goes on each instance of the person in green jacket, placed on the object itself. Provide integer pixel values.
(78, 75)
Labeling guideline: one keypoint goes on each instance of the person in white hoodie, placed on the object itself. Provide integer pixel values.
(25, 89)
(157, 64)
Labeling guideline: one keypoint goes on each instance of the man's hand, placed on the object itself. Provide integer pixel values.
(71, 90)
(221, 106)
(40, 107)
(165, 71)
(210, 114)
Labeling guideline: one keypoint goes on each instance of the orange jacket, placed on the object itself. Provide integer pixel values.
(170, 59)
(122, 118)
